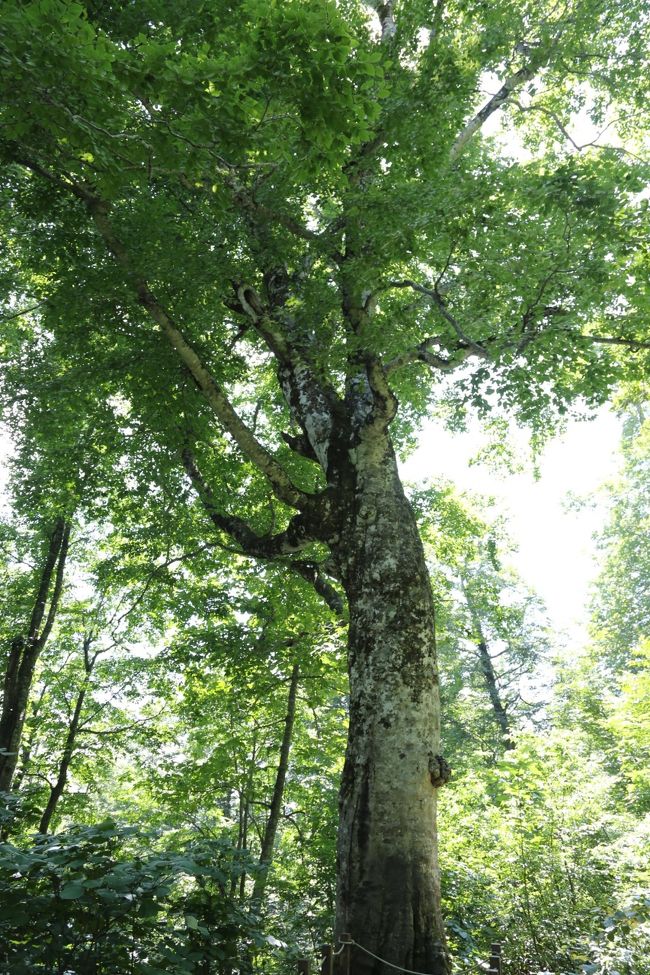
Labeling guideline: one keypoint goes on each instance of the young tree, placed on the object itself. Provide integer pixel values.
(492, 633)
(26, 648)
(268, 232)
(83, 688)
(508, 636)
(606, 689)
(621, 597)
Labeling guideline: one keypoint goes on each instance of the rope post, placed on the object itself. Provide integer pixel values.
(304, 966)
(346, 938)
(327, 955)
(495, 958)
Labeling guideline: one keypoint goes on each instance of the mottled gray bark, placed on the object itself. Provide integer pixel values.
(388, 896)
(388, 893)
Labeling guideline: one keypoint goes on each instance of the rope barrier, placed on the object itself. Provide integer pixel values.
(398, 968)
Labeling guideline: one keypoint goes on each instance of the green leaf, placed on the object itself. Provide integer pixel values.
(71, 892)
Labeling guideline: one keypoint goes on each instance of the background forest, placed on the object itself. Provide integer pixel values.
(174, 808)
(248, 248)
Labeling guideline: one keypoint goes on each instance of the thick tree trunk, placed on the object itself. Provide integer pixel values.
(389, 889)
(25, 651)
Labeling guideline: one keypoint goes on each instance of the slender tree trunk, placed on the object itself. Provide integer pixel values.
(498, 708)
(490, 677)
(388, 887)
(28, 744)
(244, 814)
(247, 962)
(56, 790)
(271, 829)
(244, 845)
(24, 653)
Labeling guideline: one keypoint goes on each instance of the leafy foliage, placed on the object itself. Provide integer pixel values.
(238, 237)
(89, 900)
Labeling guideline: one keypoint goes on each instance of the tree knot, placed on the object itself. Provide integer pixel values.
(439, 770)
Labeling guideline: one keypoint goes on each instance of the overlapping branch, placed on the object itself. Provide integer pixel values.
(423, 353)
(386, 15)
(301, 532)
(99, 211)
(280, 481)
(538, 56)
(634, 344)
(434, 296)
(294, 539)
(464, 348)
(594, 143)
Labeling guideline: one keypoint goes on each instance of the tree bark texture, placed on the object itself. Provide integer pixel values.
(27, 744)
(388, 888)
(388, 893)
(25, 651)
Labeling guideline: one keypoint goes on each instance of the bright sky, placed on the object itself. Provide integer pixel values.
(557, 555)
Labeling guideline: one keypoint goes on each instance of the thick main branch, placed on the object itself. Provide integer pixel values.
(512, 83)
(281, 483)
(254, 451)
(301, 532)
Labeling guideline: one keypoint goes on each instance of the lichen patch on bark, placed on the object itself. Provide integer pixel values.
(389, 885)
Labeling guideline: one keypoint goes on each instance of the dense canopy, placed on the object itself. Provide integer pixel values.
(248, 247)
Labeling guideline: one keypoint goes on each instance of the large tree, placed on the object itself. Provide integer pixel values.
(262, 234)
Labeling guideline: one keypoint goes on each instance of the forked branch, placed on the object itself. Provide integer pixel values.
(436, 299)
(294, 539)
(230, 420)
(538, 56)
(423, 353)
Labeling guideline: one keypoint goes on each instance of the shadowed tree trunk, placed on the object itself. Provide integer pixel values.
(25, 651)
(490, 677)
(292, 245)
(57, 789)
(28, 743)
(245, 796)
(275, 809)
(498, 707)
